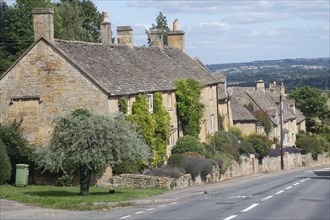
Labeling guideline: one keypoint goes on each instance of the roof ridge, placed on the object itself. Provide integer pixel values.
(78, 42)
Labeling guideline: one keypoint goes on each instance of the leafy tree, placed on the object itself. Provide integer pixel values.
(80, 20)
(5, 165)
(161, 24)
(190, 109)
(260, 143)
(89, 143)
(16, 29)
(313, 103)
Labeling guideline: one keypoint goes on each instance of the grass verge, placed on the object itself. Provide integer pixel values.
(69, 198)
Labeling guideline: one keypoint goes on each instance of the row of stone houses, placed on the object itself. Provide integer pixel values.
(245, 101)
(54, 77)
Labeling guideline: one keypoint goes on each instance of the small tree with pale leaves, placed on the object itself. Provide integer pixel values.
(89, 143)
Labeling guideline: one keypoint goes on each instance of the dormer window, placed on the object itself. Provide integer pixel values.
(150, 100)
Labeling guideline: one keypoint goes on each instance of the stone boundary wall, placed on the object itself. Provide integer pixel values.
(248, 166)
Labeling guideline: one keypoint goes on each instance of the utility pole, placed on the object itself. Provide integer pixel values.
(281, 129)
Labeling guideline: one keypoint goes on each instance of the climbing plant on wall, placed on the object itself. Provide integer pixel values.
(162, 130)
(122, 105)
(190, 109)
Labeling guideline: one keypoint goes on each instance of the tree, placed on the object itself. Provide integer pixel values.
(80, 20)
(161, 24)
(16, 29)
(89, 142)
(190, 109)
(313, 103)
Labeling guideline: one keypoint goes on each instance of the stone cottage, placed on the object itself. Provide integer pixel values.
(54, 77)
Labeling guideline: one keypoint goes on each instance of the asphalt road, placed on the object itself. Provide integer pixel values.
(299, 194)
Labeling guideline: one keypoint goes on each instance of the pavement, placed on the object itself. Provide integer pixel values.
(7, 207)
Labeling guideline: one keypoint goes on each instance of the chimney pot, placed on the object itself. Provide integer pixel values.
(105, 16)
(106, 33)
(43, 23)
(175, 25)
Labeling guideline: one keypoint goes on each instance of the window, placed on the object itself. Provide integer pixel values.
(211, 122)
(150, 100)
(211, 92)
(169, 101)
(171, 140)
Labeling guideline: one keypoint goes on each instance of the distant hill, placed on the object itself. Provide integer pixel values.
(314, 72)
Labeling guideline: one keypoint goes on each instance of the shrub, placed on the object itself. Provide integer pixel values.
(16, 145)
(192, 165)
(168, 171)
(246, 147)
(5, 165)
(65, 180)
(132, 167)
(235, 131)
(206, 168)
(175, 160)
(309, 144)
(188, 144)
(260, 143)
(223, 161)
(225, 142)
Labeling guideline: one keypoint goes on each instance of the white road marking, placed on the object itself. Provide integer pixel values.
(250, 207)
(140, 212)
(126, 216)
(230, 217)
(172, 203)
(268, 197)
(289, 187)
(161, 206)
(302, 181)
(150, 209)
(279, 192)
(296, 184)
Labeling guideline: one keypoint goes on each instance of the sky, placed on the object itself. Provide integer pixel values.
(229, 31)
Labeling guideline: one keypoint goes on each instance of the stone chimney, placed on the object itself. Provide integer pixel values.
(106, 33)
(260, 86)
(156, 38)
(43, 23)
(125, 35)
(175, 38)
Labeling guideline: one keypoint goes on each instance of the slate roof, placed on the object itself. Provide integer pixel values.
(123, 70)
(240, 113)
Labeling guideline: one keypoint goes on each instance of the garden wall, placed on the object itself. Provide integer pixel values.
(248, 166)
